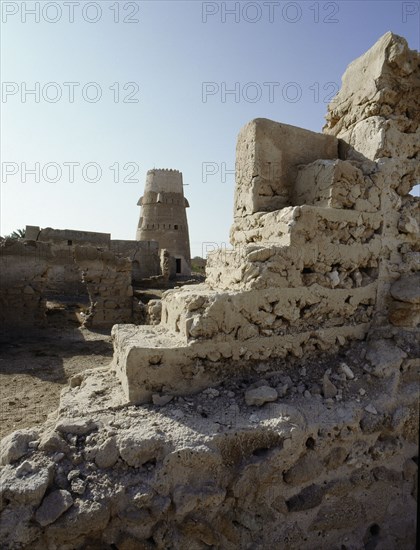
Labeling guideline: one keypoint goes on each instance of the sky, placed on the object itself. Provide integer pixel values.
(95, 94)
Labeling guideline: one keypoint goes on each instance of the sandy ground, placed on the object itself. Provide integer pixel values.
(34, 367)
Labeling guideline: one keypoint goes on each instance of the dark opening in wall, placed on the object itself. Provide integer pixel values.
(310, 443)
(178, 265)
(175, 227)
(69, 243)
(374, 529)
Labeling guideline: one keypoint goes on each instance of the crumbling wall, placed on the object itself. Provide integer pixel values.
(38, 277)
(23, 279)
(143, 254)
(336, 184)
(377, 118)
(64, 279)
(108, 280)
(316, 245)
(67, 237)
(33, 275)
(298, 447)
(233, 467)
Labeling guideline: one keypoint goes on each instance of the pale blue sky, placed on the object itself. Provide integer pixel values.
(170, 52)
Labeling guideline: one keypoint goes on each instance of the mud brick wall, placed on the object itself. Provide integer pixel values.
(108, 281)
(24, 270)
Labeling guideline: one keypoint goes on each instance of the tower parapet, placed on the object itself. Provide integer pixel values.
(163, 216)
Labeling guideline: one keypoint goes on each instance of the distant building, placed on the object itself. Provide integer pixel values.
(163, 217)
(143, 255)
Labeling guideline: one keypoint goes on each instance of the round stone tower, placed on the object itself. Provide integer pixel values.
(163, 217)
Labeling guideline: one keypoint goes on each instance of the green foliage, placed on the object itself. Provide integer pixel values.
(198, 265)
(17, 234)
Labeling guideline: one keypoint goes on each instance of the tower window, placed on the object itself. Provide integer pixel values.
(175, 227)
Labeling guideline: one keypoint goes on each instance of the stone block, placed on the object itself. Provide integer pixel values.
(407, 288)
(268, 155)
(53, 506)
(335, 184)
(149, 360)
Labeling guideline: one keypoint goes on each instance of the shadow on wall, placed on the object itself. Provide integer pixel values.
(47, 284)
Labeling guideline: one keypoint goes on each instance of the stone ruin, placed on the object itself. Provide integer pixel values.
(323, 223)
(276, 405)
(87, 278)
(69, 276)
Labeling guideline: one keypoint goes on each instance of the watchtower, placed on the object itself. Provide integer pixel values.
(163, 216)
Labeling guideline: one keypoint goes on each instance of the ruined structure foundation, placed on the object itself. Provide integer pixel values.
(322, 227)
(275, 406)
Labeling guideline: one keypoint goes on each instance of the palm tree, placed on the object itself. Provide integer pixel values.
(17, 234)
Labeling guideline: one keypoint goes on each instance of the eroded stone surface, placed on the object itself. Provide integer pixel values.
(306, 469)
(16, 445)
(318, 240)
(407, 289)
(261, 395)
(53, 506)
(235, 469)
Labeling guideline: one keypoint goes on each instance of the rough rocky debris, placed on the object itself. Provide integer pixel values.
(16, 445)
(346, 370)
(405, 309)
(260, 396)
(275, 406)
(384, 357)
(211, 470)
(328, 388)
(53, 506)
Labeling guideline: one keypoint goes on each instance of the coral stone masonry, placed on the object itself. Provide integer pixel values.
(276, 405)
(322, 227)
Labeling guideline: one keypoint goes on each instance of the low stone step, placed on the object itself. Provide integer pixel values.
(154, 360)
(202, 313)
